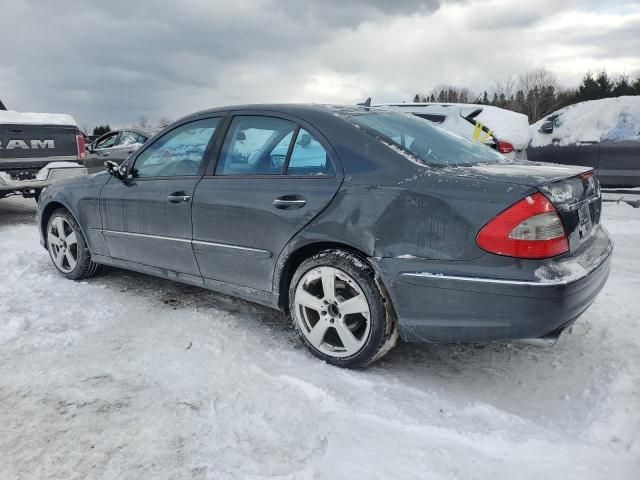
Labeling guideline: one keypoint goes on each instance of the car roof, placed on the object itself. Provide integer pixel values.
(296, 109)
(429, 104)
(143, 131)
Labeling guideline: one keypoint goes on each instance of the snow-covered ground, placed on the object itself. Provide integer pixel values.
(130, 377)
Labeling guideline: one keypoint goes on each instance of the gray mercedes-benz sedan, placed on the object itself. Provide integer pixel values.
(365, 225)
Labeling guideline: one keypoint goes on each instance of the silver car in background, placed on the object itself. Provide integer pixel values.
(116, 145)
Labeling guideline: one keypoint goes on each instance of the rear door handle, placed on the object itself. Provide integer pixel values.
(289, 202)
(175, 198)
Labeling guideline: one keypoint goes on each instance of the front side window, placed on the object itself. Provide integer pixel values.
(426, 143)
(107, 142)
(255, 145)
(308, 157)
(178, 153)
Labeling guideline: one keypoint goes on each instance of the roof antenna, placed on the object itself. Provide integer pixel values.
(2, 107)
(366, 103)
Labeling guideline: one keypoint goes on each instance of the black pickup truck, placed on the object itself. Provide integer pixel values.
(37, 149)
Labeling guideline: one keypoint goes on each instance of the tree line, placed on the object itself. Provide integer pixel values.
(536, 93)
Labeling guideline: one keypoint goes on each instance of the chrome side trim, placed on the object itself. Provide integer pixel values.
(195, 243)
(233, 247)
(461, 278)
(146, 235)
(500, 281)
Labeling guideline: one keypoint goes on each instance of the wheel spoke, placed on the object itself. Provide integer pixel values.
(317, 333)
(59, 256)
(357, 304)
(59, 224)
(328, 283)
(350, 342)
(70, 260)
(305, 299)
(71, 238)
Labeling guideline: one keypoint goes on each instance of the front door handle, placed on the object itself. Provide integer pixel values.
(178, 198)
(289, 202)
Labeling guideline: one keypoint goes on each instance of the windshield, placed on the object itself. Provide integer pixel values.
(429, 144)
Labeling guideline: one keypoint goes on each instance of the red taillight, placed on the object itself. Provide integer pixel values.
(505, 147)
(529, 229)
(82, 153)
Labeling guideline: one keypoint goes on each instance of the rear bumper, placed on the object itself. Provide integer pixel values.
(443, 308)
(47, 176)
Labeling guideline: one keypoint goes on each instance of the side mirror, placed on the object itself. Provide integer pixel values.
(546, 127)
(116, 170)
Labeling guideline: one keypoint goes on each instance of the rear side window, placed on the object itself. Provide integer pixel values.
(128, 138)
(255, 145)
(179, 152)
(308, 157)
(432, 117)
(426, 143)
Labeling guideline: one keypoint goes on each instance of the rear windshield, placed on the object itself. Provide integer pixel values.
(429, 144)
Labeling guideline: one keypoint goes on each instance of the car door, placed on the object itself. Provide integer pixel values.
(619, 163)
(104, 145)
(271, 179)
(147, 217)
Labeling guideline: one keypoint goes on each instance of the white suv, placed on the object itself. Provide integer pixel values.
(500, 129)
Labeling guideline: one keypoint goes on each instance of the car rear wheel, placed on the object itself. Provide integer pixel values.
(339, 310)
(67, 247)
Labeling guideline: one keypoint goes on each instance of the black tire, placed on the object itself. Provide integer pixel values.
(84, 267)
(382, 333)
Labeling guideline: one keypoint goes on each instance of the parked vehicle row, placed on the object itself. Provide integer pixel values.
(602, 134)
(364, 224)
(500, 129)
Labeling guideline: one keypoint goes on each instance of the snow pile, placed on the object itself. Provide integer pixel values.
(506, 125)
(31, 118)
(595, 120)
(130, 376)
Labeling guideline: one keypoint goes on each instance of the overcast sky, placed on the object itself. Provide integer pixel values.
(115, 60)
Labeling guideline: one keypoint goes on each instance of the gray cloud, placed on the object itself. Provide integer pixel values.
(114, 61)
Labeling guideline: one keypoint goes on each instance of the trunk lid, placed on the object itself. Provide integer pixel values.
(37, 141)
(573, 190)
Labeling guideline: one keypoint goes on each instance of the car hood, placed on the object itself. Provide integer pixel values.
(532, 174)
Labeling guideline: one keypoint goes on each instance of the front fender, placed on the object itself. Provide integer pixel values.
(82, 200)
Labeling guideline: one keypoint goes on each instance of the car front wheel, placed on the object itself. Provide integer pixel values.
(339, 311)
(67, 246)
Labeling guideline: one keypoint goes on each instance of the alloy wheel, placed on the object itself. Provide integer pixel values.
(332, 311)
(63, 244)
